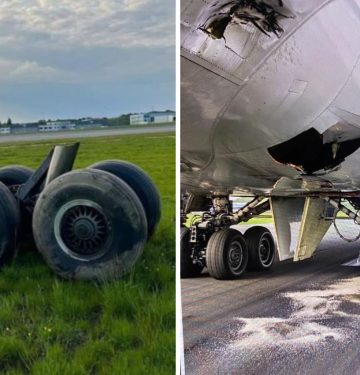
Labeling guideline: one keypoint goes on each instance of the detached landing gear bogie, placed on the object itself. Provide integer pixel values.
(89, 224)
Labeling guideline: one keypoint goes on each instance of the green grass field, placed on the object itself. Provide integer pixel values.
(259, 220)
(50, 326)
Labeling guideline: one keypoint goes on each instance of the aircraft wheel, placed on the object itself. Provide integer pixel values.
(9, 225)
(89, 224)
(187, 267)
(261, 247)
(15, 175)
(227, 254)
(141, 183)
(18, 175)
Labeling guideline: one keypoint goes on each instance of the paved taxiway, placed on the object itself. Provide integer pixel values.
(298, 318)
(86, 133)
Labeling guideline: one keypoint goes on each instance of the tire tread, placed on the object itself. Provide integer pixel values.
(252, 237)
(216, 254)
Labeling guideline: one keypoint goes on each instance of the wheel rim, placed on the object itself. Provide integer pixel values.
(82, 229)
(265, 251)
(236, 257)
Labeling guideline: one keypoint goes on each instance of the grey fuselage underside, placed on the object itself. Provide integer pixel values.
(248, 92)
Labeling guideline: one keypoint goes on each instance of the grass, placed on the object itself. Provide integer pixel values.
(259, 220)
(51, 326)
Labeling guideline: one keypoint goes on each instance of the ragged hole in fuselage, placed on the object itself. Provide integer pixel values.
(311, 151)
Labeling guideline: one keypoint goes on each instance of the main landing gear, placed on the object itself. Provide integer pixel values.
(207, 240)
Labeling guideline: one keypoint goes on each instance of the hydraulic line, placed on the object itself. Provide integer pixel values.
(352, 215)
(253, 208)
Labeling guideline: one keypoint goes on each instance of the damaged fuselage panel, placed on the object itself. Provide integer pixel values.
(311, 152)
(265, 15)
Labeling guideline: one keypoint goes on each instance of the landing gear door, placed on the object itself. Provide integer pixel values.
(287, 214)
(315, 223)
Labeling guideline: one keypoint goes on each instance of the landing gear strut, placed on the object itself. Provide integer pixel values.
(189, 267)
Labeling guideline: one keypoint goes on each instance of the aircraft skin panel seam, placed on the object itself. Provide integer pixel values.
(338, 93)
(262, 62)
(227, 76)
(282, 40)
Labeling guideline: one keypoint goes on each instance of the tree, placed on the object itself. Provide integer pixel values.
(9, 122)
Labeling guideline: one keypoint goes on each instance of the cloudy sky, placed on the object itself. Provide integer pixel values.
(75, 58)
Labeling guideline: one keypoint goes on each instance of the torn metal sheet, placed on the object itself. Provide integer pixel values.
(308, 153)
(265, 15)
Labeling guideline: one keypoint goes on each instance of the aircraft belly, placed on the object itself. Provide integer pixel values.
(200, 106)
(311, 79)
(296, 84)
(252, 171)
(256, 172)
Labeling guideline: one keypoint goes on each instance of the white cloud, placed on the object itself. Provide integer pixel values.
(28, 71)
(85, 57)
(133, 5)
(107, 23)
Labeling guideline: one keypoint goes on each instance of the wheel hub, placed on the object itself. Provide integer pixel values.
(265, 251)
(235, 256)
(83, 229)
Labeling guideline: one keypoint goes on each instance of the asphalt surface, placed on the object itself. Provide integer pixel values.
(297, 318)
(86, 133)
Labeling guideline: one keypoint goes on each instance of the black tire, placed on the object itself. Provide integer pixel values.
(187, 267)
(15, 175)
(226, 254)
(141, 183)
(9, 225)
(261, 248)
(89, 225)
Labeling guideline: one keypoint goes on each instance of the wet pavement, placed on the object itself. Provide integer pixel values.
(298, 318)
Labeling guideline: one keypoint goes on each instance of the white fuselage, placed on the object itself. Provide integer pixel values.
(247, 92)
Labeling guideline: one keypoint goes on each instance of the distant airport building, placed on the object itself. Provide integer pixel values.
(137, 119)
(4, 130)
(54, 126)
(158, 117)
(152, 117)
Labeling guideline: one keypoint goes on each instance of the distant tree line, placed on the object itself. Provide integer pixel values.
(7, 124)
(121, 120)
